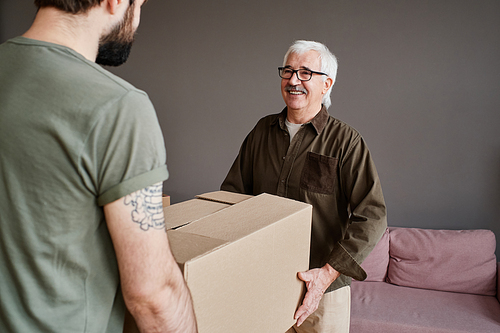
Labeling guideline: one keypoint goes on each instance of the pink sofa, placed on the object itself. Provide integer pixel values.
(422, 280)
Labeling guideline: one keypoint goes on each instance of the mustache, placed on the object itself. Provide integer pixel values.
(296, 88)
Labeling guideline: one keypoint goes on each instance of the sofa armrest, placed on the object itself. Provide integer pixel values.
(498, 281)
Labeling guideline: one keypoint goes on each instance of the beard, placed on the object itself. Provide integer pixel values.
(114, 48)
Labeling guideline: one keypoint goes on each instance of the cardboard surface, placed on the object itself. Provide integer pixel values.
(186, 247)
(224, 197)
(244, 218)
(165, 200)
(189, 211)
(240, 256)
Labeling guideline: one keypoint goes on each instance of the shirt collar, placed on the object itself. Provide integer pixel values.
(318, 122)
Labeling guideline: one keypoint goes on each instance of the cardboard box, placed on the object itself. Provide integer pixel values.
(165, 200)
(240, 256)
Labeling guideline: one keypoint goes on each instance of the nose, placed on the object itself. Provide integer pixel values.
(294, 80)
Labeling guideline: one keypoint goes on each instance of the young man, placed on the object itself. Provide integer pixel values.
(305, 154)
(83, 161)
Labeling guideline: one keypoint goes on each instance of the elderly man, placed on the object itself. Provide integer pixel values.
(83, 161)
(305, 154)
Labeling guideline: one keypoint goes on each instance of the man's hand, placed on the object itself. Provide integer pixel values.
(317, 281)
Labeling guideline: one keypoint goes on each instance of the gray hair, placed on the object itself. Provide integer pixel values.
(328, 61)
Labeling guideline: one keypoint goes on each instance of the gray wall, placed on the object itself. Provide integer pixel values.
(419, 79)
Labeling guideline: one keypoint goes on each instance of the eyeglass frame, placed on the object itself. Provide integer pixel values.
(296, 72)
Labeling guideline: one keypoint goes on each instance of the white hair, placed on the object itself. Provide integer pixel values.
(328, 61)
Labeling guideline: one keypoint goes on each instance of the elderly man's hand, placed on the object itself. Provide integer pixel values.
(317, 281)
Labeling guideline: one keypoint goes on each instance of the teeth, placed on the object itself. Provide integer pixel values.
(296, 90)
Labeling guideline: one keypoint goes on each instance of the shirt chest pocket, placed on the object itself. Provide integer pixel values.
(319, 173)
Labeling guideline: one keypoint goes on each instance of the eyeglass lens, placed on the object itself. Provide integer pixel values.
(302, 74)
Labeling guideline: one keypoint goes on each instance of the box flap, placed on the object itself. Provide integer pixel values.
(224, 197)
(188, 211)
(187, 246)
(244, 218)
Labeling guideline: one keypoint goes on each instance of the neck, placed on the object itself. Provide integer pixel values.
(79, 32)
(299, 116)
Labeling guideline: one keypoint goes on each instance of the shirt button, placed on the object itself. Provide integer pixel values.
(284, 157)
(283, 181)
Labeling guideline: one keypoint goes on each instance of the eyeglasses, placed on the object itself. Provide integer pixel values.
(302, 74)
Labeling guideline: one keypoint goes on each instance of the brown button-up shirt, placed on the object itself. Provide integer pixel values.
(328, 165)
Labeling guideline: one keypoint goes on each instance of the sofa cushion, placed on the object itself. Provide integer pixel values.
(375, 265)
(379, 307)
(449, 260)
(498, 281)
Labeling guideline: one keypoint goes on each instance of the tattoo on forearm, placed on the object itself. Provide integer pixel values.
(148, 208)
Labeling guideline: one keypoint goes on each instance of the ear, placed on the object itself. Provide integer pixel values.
(327, 84)
(114, 5)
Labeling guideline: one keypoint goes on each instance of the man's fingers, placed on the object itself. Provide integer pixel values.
(302, 319)
(315, 289)
(300, 311)
(309, 305)
(301, 315)
(305, 276)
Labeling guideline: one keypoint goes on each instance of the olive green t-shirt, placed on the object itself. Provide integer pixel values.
(73, 137)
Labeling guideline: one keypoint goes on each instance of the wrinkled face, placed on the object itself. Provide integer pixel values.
(114, 48)
(304, 96)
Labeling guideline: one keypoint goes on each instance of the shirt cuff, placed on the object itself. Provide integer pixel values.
(344, 263)
(132, 185)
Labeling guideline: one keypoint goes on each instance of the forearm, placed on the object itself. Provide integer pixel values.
(152, 313)
(152, 284)
(161, 301)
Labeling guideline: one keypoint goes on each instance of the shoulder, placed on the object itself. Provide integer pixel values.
(73, 73)
(263, 128)
(108, 95)
(266, 122)
(102, 81)
(341, 130)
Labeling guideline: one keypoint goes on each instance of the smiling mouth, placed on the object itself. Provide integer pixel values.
(296, 90)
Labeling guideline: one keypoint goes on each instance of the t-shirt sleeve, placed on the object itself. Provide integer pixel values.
(124, 151)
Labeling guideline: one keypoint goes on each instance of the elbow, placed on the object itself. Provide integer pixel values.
(147, 298)
(143, 303)
(154, 309)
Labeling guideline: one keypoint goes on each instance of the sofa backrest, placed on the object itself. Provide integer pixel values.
(448, 260)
